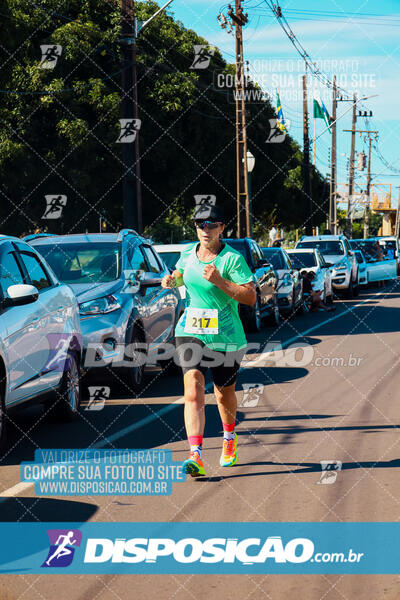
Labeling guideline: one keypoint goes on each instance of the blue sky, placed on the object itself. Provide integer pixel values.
(359, 41)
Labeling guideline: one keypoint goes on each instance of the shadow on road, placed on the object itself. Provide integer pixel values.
(45, 509)
(303, 468)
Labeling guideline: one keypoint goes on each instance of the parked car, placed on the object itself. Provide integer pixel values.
(391, 246)
(265, 282)
(362, 267)
(312, 260)
(40, 338)
(170, 254)
(117, 280)
(338, 254)
(378, 269)
(290, 285)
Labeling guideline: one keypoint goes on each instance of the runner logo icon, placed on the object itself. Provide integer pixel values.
(129, 129)
(50, 55)
(251, 394)
(330, 469)
(202, 56)
(276, 134)
(98, 396)
(62, 547)
(54, 206)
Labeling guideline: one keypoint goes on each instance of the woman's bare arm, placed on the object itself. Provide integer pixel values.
(244, 293)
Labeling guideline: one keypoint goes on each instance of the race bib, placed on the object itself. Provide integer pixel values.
(201, 320)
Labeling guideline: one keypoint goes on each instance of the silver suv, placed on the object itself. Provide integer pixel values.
(40, 340)
(116, 278)
(340, 257)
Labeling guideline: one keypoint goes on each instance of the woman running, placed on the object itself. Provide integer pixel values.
(210, 333)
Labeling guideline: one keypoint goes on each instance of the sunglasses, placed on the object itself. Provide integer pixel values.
(208, 224)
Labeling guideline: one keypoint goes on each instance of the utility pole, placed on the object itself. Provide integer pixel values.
(349, 218)
(306, 159)
(239, 19)
(369, 133)
(132, 200)
(397, 224)
(332, 191)
(131, 186)
(367, 208)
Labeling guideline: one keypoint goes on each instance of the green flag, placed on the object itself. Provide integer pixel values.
(320, 112)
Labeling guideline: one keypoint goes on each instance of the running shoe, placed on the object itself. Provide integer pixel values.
(229, 453)
(194, 465)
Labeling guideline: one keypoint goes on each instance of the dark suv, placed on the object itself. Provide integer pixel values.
(265, 281)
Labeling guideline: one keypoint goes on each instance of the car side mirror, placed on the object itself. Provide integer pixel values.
(132, 280)
(21, 294)
(150, 280)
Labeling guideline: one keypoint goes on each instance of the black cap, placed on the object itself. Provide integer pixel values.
(207, 212)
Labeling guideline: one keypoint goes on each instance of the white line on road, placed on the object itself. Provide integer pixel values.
(16, 489)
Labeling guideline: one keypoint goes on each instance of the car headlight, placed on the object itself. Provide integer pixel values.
(99, 306)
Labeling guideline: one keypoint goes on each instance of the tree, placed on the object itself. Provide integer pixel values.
(59, 126)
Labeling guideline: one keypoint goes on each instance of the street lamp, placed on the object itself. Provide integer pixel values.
(251, 162)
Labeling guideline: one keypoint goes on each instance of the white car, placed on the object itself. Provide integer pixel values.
(339, 256)
(40, 340)
(171, 253)
(290, 284)
(312, 260)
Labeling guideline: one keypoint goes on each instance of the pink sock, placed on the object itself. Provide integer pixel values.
(229, 431)
(196, 442)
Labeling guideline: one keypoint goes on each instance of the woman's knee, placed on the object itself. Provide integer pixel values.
(194, 387)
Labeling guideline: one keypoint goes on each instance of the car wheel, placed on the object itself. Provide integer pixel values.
(274, 318)
(301, 308)
(356, 287)
(255, 324)
(3, 420)
(292, 310)
(349, 293)
(134, 374)
(66, 403)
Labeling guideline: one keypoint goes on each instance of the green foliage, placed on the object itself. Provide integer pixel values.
(58, 128)
(375, 222)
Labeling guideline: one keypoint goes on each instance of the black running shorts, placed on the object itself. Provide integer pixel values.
(192, 353)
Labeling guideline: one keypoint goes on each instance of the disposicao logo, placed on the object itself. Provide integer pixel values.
(62, 547)
(191, 550)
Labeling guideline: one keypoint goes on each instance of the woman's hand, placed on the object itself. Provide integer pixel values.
(212, 275)
(168, 282)
(244, 294)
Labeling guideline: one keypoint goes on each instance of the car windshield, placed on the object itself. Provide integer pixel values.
(170, 258)
(327, 248)
(83, 263)
(274, 257)
(303, 260)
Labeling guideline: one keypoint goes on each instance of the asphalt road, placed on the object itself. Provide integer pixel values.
(334, 400)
